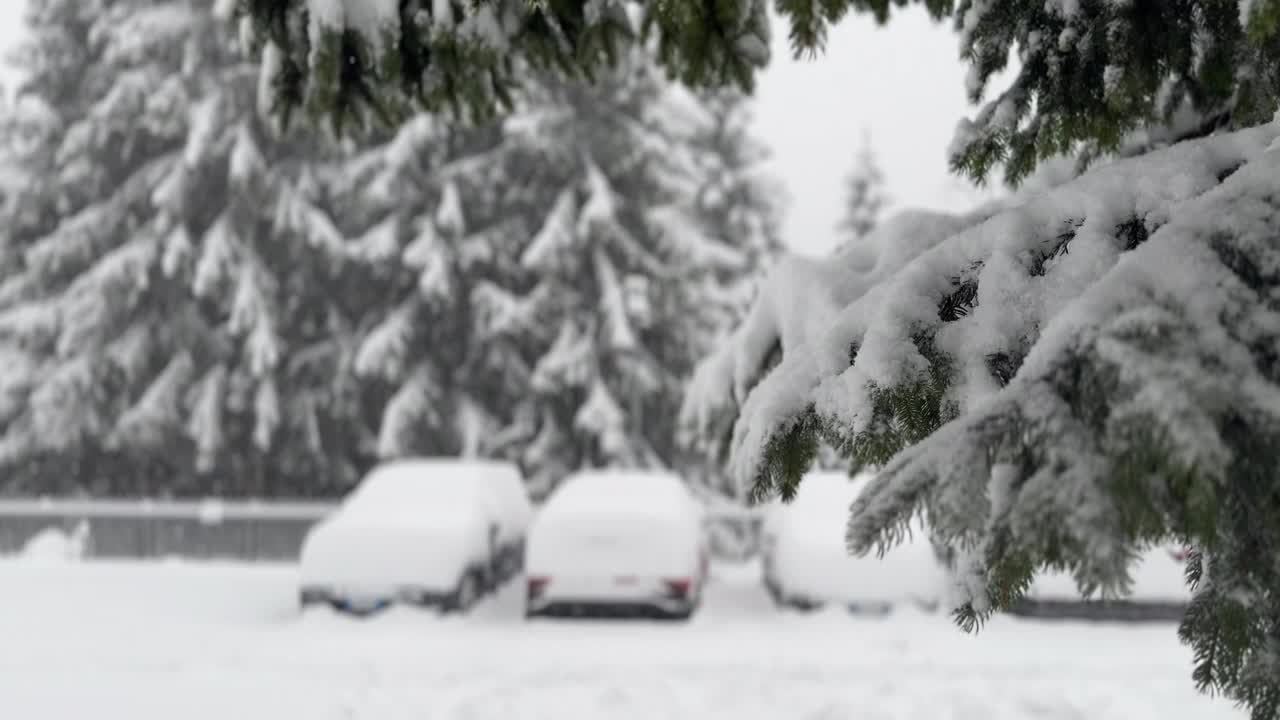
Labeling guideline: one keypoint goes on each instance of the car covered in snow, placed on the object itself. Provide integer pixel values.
(1159, 592)
(423, 532)
(515, 511)
(619, 543)
(806, 564)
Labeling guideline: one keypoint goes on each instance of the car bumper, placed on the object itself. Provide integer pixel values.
(608, 600)
(366, 601)
(611, 608)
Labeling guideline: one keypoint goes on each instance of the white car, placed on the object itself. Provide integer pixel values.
(617, 543)
(424, 532)
(515, 511)
(806, 564)
(1159, 593)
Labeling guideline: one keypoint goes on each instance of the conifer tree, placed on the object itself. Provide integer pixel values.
(1092, 73)
(543, 279)
(166, 266)
(1058, 382)
(352, 61)
(101, 115)
(624, 278)
(738, 206)
(865, 199)
(441, 351)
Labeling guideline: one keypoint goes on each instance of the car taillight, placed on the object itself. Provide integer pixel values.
(678, 587)
(537, 583)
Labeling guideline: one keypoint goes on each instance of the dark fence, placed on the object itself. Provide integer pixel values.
(259, 531)
(236, 530)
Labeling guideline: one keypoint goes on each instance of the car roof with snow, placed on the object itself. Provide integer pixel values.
(415, 487)
(811, 559)
(823, 497)
(821, 509)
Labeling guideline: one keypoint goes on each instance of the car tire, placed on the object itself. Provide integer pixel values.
(363, 614)
(779, 596)
(871, 609)
(773, 593)
(682, 615)
(470, 589)
(926, 605)
(803, 605)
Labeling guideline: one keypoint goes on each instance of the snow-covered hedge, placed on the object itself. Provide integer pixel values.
(1057, 383)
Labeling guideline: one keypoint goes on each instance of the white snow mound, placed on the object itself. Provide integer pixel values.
(55, 545)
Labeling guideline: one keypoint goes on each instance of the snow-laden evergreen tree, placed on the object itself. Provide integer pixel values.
(355, 60)
(1056, 382)
(100, 113)
(547, 281)
(1061, 379)
(445, 333)
(278, 411)
(634, 269)
(166, 272)
(738, 206)
(864, 196)
(1090, 72)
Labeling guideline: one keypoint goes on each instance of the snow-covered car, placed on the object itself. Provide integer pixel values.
(1159, 592)
(806, 564)
(515, 511)
(617, 543)
(424, 532)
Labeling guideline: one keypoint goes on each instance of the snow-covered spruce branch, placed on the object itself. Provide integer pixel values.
(1054, 386)
(355, 60)
(1089, 73)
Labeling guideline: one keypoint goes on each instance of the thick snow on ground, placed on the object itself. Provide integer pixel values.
(162, 641)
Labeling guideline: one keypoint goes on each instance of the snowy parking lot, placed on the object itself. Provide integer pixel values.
(160, 641)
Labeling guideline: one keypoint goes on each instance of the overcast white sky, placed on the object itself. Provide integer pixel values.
(902, 83)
